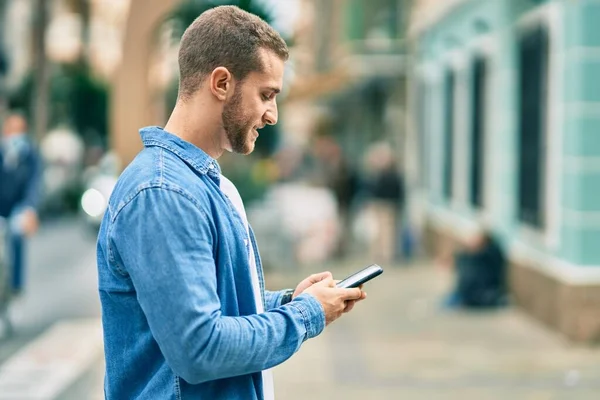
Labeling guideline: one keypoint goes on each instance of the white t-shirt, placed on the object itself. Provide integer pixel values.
(229, 189)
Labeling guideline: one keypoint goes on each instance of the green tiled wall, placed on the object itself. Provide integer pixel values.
(580, 245)
(579, 33)
(582, 135)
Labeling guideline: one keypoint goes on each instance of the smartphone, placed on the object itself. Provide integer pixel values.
(362, 276)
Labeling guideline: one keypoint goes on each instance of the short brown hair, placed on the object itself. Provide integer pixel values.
(224, 36)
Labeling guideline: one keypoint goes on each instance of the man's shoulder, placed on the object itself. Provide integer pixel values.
(154, 169)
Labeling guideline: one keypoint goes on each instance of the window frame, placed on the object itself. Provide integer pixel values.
(457, 62)
(549, 235)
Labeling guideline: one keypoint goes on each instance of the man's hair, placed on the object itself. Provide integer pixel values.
(224, 36)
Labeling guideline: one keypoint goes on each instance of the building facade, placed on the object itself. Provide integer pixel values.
(505, 115)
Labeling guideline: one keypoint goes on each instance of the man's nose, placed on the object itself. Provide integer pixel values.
(270, 116)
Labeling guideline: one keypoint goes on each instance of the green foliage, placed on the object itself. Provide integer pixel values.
(188, 10)
(77, 99)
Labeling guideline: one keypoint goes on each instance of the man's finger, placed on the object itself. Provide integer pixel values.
(328, 282)
(314, 278)
(351, 294)
(349, 306)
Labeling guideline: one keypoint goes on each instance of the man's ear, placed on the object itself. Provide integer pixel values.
(220, 83)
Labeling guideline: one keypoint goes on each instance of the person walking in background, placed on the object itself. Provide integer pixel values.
(184, 309)
(332, 171)
(384, 195)
(20, 187)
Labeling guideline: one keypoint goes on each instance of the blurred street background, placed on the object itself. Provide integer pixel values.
(415, 134)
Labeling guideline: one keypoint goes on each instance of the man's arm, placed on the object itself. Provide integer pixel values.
(33, 189)
(276, 299)
(165, 243)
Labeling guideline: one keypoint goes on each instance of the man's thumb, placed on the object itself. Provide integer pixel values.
(321, 276)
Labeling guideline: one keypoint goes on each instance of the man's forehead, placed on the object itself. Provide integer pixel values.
(272, 68)
(15, 120)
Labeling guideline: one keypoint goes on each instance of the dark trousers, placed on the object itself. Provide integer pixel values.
(17, 259)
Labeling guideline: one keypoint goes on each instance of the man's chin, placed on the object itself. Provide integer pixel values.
(246, 149)
(249, 148)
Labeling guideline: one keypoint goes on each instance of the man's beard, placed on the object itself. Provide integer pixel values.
(236, 128)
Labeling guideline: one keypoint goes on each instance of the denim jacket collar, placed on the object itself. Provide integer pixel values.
(191, 154)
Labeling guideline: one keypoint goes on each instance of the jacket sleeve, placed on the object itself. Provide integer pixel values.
(273, 299)
(33, 188)
(166, 246)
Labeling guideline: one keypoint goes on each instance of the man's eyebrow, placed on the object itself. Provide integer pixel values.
(274, 89)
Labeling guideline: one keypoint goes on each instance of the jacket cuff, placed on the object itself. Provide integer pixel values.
(312, 312)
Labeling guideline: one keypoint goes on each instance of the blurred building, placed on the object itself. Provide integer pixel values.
(505, 117)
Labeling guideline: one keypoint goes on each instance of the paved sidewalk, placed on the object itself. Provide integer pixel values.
(399, 345)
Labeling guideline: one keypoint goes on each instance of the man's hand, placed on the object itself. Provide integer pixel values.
(311, 280)
(30, 223)
(335, 301)
(350, 303)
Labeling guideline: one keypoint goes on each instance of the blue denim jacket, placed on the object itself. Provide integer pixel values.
(20, 175)
(178, 309)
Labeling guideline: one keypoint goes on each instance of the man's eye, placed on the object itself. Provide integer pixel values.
(266, 97)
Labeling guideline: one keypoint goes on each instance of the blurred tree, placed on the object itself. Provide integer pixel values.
(3, 57)
(41, 69)
(189, 10)
(3, 63)
(77, 99)
(3, 60)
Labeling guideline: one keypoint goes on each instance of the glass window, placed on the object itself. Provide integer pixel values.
(533, 86)
(479, 79)
(448, 143)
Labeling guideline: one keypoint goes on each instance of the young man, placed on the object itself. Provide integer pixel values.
(184, 310)
(20, 184)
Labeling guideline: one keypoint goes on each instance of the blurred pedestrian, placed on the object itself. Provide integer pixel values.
(184, 309)
(384, 196)
(20, 186)
(331, 170)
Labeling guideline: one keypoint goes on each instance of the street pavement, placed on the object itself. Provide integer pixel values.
(397, 344)
(56, 320)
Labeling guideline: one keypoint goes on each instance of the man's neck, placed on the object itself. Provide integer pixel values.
(195, 125)
(13, 137)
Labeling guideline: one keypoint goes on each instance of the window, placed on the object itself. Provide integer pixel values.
(448, 141)
(479, 77)
(533, 85)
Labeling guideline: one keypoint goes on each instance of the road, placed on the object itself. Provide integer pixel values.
(61, 293)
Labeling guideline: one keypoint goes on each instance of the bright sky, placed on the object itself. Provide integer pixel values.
(285, 13)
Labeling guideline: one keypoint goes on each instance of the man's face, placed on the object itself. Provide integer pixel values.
(14, 124)
(253, 104)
